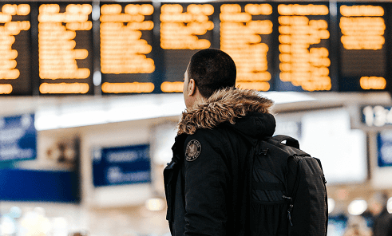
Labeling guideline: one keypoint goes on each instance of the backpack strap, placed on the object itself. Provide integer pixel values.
(319, 162)
(290, 197)
(278, 139)
(251, 183)
(268, 186)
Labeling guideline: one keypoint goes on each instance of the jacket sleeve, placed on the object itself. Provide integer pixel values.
(205, 186)
(390, 226)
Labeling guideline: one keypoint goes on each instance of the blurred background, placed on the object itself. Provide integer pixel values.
(91, 92)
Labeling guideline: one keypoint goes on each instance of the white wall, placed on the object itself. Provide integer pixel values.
(109, 135)
(112, 135)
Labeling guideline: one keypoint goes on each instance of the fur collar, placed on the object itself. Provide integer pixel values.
(223, 106)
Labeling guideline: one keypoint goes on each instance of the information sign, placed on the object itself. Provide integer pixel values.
(121, 165)
(304, 62)
(377, 116)
(384, 148)
(18, 138)
(15, 78)
(245, 34)
(126, 48)
(55, 47)
(362, 45)
(184, 29)
(65, 48)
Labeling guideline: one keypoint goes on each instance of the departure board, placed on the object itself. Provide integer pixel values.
(304, 47)
(15, 49)
(363, 55)
(132, 47)
(65, 48)
(126, 37)
(246, 35)
(184, 29)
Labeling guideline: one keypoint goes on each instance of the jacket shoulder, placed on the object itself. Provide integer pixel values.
(214, 136)
(223, 140)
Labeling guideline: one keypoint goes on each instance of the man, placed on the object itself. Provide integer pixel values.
(382, 225)
(206, 183)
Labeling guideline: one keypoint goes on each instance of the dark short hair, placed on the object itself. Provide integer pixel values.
(212, 69)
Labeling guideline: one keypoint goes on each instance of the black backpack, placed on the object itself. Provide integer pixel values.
(288, 190)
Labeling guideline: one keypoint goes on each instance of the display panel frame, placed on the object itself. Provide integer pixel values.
(22, 84)
(175, 58)
(83, 64)
(167, 71)
(319, 63)
(360, 74)
(123, 80)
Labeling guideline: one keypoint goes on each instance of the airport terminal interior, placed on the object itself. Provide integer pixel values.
(91, 94)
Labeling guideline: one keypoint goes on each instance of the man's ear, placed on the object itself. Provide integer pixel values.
(191, 87)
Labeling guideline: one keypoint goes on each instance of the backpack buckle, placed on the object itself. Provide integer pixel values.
(287, 198)
(263, 152)
(289, 214)
(290, 208)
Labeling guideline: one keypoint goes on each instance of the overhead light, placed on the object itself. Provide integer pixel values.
(135, 107)
(15, 212)
(155, 204)
(357, 207)
(95, 112)
(331, 205)
(287, 97)
(8, 225)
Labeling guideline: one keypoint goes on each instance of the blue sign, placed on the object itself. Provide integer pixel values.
(384, 148)
(18, 138)
(39, 185)
(121, 165)
(377, 116)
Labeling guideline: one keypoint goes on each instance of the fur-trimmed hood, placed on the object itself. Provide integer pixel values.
(245, 110)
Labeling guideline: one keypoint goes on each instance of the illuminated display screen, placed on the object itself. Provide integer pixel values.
(184, 29)
(362, 47)
(65, 48)
(304, 47)
(245, 34)
(126, 37)
(15, 49)
(140, 47)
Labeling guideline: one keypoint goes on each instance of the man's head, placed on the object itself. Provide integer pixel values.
(209, 70)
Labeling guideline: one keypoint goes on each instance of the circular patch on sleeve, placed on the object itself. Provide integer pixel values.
(193, 150)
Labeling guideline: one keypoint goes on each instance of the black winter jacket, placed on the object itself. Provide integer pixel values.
(206, 183)
(382, 225)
